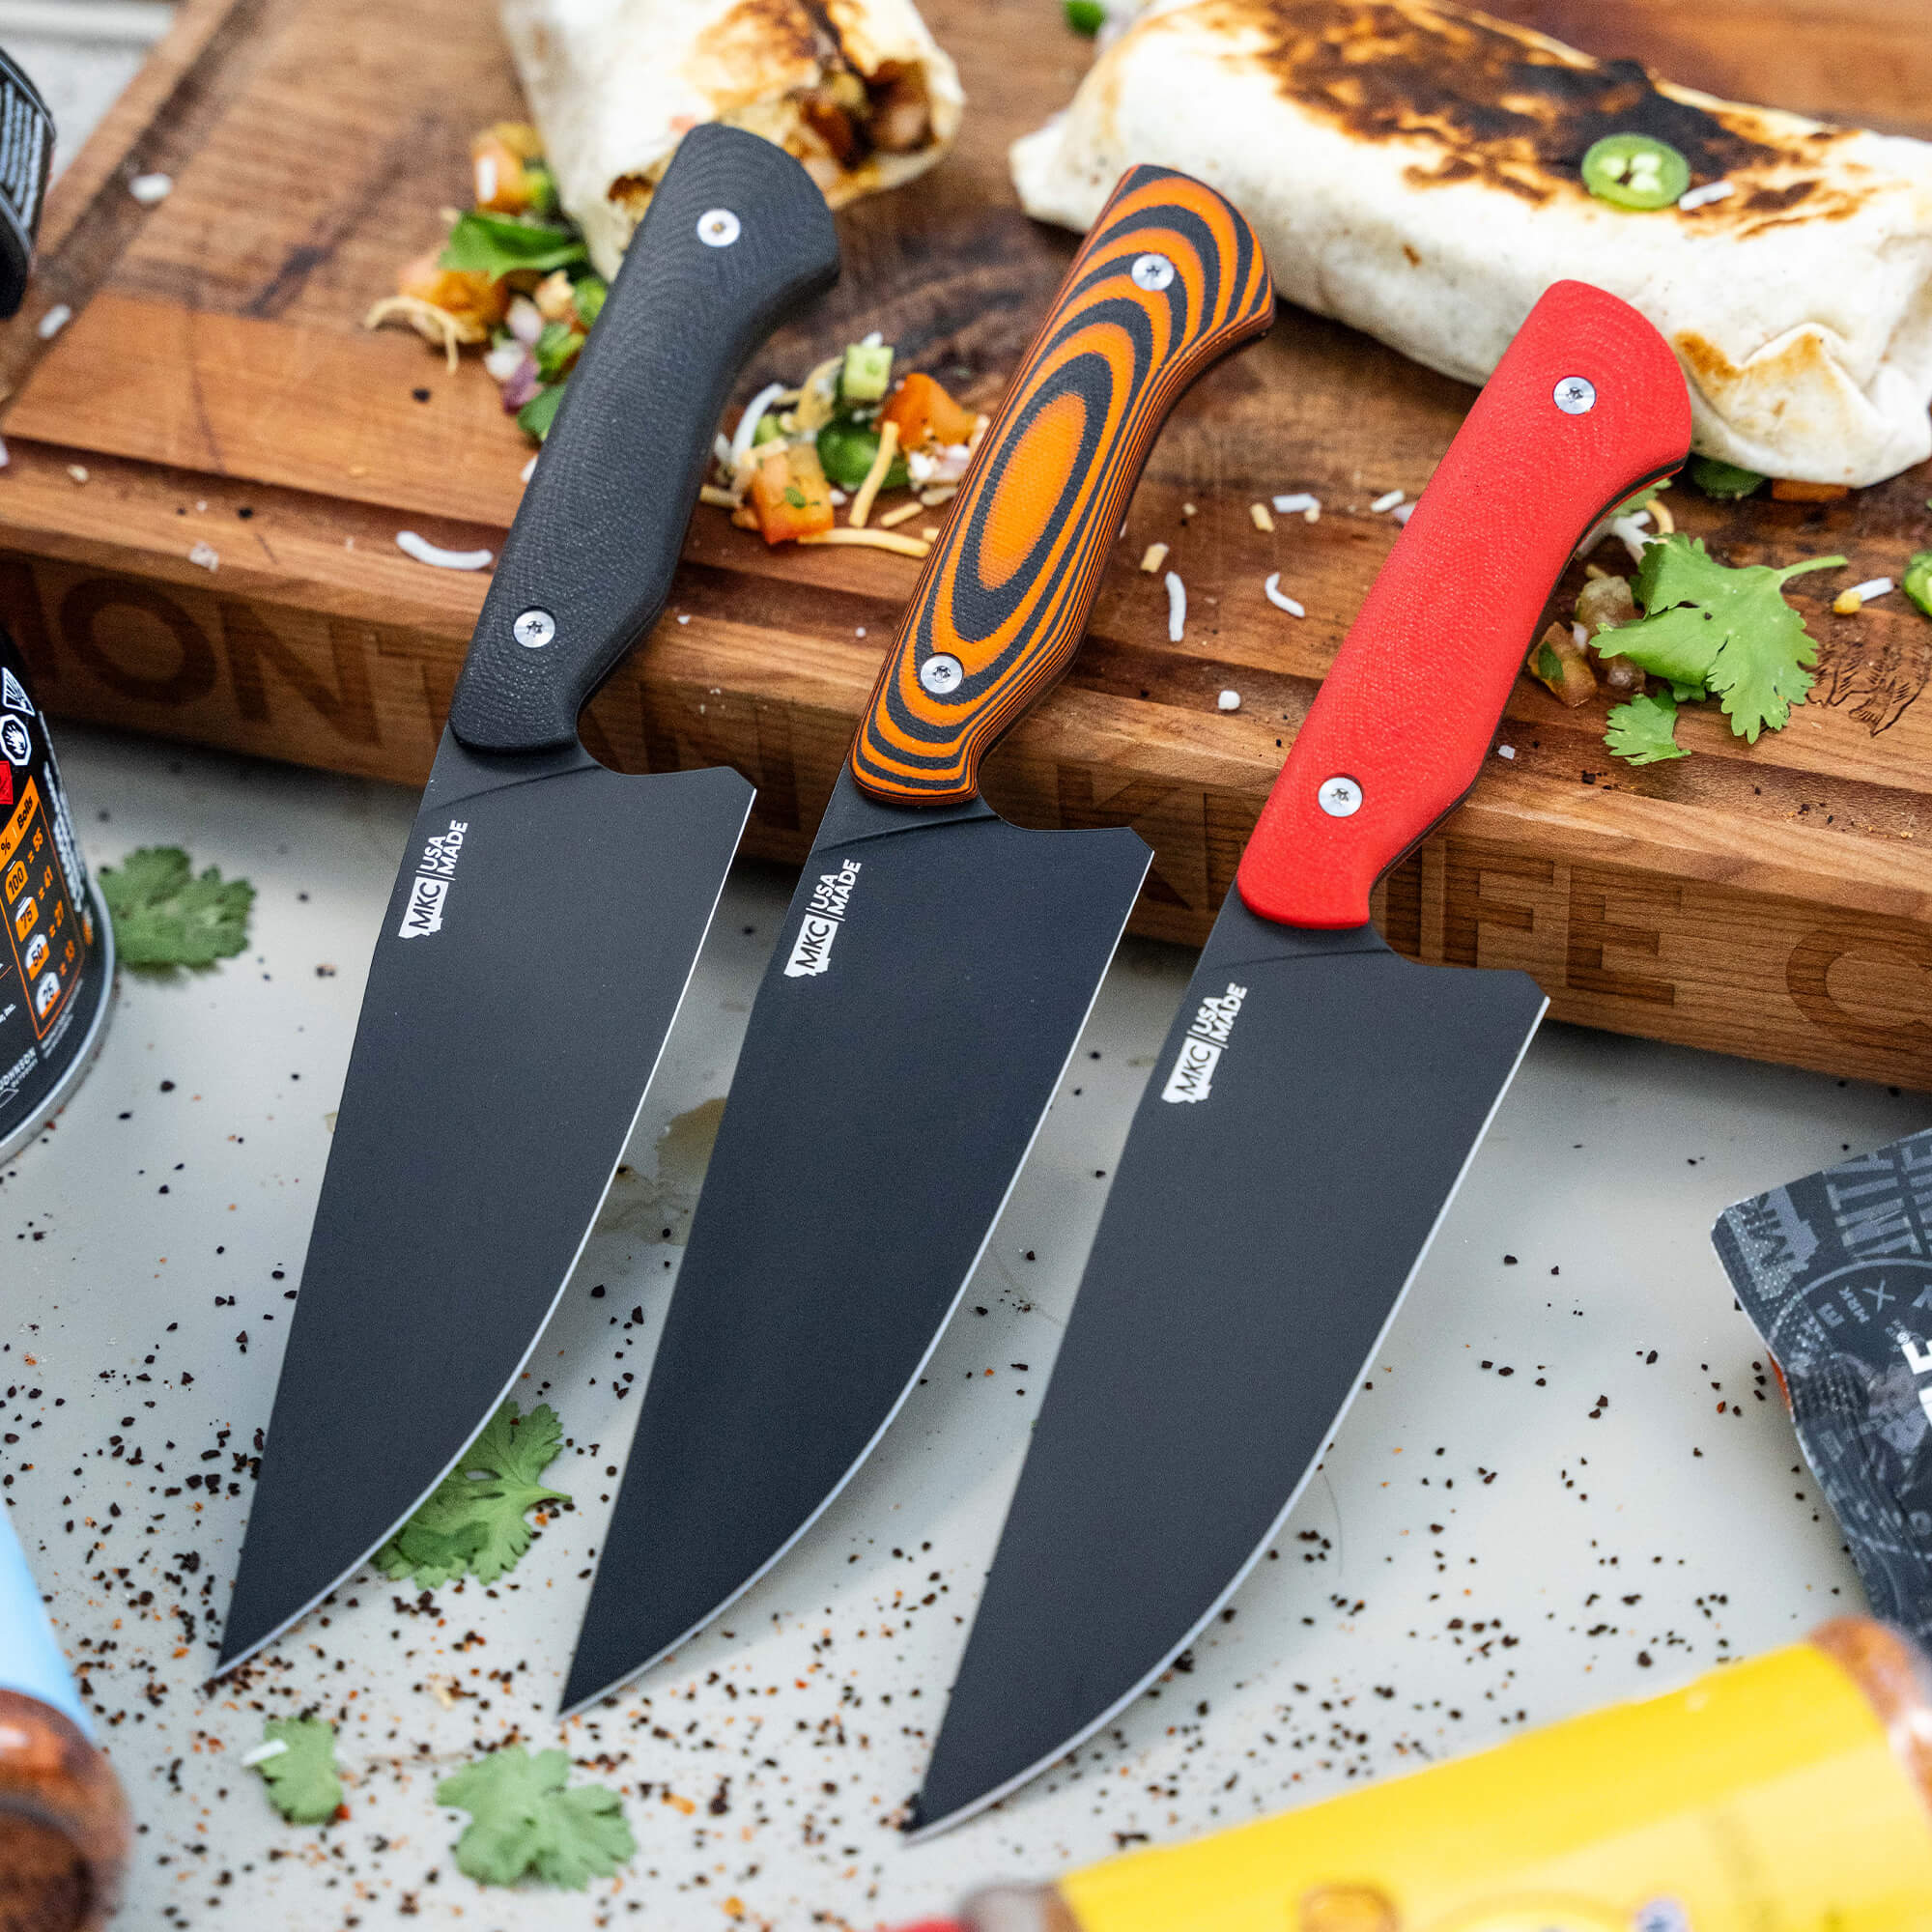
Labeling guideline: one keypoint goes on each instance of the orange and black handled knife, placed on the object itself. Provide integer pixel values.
(934, 970)
(1317, 1099)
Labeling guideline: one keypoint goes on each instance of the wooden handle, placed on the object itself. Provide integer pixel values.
(1168, 281)
(1586, 404)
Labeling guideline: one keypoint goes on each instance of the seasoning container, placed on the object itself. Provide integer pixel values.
(63, 1830)
(1793, 1790)
(57, 948)
(26, 157)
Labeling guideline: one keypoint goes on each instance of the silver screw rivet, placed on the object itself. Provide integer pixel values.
(942, 674)
(534, 629)
(1339, 797)
(1151, 272)
(717, 228)
(1575, 395)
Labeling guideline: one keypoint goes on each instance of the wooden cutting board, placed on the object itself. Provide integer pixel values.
(227, 571)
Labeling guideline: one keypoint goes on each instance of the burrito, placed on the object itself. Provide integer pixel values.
(1418, 171)
(858, 91)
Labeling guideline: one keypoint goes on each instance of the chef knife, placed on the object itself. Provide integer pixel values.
(545, 922)
(1317, 1099)
(932, 973)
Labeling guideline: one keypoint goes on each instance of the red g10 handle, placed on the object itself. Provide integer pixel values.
(1586, 404)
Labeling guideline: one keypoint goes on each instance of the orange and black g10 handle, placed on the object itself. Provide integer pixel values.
(1586, 405)
(1169, 280)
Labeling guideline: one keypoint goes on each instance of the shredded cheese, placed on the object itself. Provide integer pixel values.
(930, 532)
(722, 499)
(1694, 198)
(901, 515)
(1271, 589)
(1188, 511)
(1387, 500)
(425, 552)
(940, 492)
(434, 324)
(1176, 608)
(817, 393)
(870, 540)
(1259, 513)
(1666, 524)
(1153, 558)
(861, 502)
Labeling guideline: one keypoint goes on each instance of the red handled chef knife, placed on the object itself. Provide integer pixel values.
(1317, 1099)
(933, 972)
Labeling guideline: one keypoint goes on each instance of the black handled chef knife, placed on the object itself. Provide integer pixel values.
(545, 920)
(933, 972)
(1317, 1099)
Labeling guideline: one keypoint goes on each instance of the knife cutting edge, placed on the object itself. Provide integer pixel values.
(933, 972)
(1317, 1099)
(545, 922)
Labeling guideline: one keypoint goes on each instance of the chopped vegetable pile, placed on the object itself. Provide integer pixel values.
(522, 1820)
(296, 1760)
(164, 915)
(514, 274)
(847, 435)
(473, 1522)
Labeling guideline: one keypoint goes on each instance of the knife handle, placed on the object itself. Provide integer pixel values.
(1169, 280)
(1586, 405)
(589, 562)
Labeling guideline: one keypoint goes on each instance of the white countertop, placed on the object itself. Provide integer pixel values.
(1483, 1550)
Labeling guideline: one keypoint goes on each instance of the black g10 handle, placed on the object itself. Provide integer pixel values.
(736, 238)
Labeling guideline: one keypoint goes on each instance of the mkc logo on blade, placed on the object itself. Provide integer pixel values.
(1193, 1075)
(811, 950)
(422, 910)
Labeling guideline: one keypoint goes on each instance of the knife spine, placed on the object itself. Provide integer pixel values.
(1170, 279)
(1587, 405)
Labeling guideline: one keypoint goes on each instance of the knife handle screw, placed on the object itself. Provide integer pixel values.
(534, 629)
(1339, 797)
(942, 673)
(717, 228)
(1575, 395)
(1151, 272)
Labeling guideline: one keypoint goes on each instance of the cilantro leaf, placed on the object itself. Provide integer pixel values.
(522, 1820)
(1645, 731)
(496, 245)
(300, 1776)
(1709, 627)
(473, 1520)
(164, 915)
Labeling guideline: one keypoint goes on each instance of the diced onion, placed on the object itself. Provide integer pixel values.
(425, 552)
(1153, 558)
(1262, 519)
(1271, 589)
(151, 190)
(262, 1752)
(504, 361)
(1403, 512)
(748, 423)
(1692, 199)
(1879, 587)
(525, 321)
(1228, 700)
(1297, 501)
(1176, 608)
(53, 322)
(1387, 502)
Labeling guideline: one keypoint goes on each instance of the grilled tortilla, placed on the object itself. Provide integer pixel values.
(858, 91)
(1415, 170)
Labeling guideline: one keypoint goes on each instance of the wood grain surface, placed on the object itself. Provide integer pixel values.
(218, 392)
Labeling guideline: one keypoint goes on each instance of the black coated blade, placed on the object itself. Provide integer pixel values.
(899, 1058)
(503, 1054)
(1298, 1144)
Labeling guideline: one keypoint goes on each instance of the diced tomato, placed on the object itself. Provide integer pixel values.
(470, 296)
(926, 413)
(790, 493)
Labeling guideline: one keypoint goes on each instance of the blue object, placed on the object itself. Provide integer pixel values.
(30, 1659)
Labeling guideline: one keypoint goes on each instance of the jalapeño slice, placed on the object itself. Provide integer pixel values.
(1635, 171)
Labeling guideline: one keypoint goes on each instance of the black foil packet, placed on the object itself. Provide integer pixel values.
(1835, 1273)
(26, 154)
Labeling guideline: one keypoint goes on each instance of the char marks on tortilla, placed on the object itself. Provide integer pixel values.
(1515, 110)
